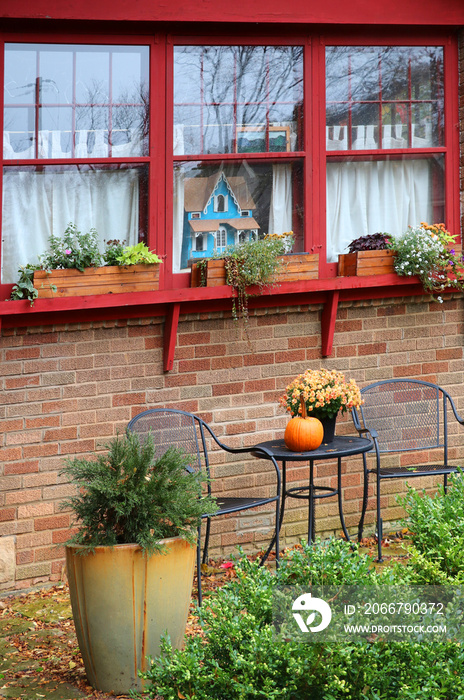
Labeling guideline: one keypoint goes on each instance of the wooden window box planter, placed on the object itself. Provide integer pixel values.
(366, 262)
(295, 267)
(112, 279)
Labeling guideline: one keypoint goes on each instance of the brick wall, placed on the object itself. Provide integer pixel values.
(67, 389)
(461, 121)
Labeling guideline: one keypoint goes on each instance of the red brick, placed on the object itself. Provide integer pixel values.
(7, 426)
(180, 380)
(229, 362)
(31, 451)
(24, 557)
(153, 343)
(45, 337)
(21, 382)
(194, 338)
(372, 349)
(60, 536)
(210, 350)
(259, 385)
(272, 320)
(49, 553)
(449, 354)
(407, 371)
(22, 353)
(227, 389)
(7, 514)
(128, 399)
(198, 365)
(239, 428)
(348, 326)
(54, 522)
(435, 367)
(60, 434)
(43, 422)
(10, 454)
(392, 310)
(290, 356)
(22, 467)
(265, 358)
(303, 342)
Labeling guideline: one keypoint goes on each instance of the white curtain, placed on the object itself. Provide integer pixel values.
(37, 204)
(178, 216)
(280, 216)
(370, 197)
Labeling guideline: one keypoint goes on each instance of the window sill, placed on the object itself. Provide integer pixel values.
(171, 302)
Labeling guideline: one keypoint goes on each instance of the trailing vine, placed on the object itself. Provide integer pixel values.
(250, 264)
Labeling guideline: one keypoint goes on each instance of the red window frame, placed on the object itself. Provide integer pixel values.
(182, 279)
(147, 201)
(450, 148)
(313, 152)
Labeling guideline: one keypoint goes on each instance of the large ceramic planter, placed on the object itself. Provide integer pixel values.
(123, 602)
(295, 267)
(366, 262)
(111, 279)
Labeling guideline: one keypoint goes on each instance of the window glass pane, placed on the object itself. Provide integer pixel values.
(228, 203)
(19, 132)
(224, 95)
(389, 195)
(20, 75)
(55, 73)
(83, 101)
(39, 202)
(384, 97)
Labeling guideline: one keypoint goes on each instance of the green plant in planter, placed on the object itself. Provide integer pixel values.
(137, 520)
(24, 287)
(125, 496)
(74, 250)
(113, 251)
(428, 251)
(136, 255)
(249, 264)
(372, 241)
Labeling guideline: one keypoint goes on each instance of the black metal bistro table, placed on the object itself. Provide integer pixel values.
(343, 446)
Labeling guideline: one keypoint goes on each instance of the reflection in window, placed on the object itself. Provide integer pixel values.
(270, 194)
(380, 98)
(75, 101)
(237, 99)
(384, 97)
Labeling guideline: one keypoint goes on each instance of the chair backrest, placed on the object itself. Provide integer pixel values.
(407, 414)
(173, 428)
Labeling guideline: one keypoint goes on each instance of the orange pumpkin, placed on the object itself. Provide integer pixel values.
(302, 433)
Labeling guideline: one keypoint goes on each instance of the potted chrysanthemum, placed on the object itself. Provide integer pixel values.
(324, 393)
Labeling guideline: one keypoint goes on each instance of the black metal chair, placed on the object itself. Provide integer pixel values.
(171, 427)
(403, 415)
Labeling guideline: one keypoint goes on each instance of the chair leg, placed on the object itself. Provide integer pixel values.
(445, 483)
(275, 540)
(365, 495)
(200, 598)
(205, 549)
(379, 522)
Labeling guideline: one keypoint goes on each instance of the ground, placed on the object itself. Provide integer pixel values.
(39, 655)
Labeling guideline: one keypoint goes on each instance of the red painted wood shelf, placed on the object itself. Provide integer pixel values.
(170, 303)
